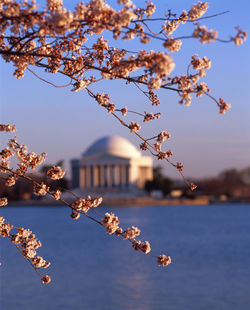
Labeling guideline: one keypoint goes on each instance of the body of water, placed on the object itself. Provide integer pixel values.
(91, 270)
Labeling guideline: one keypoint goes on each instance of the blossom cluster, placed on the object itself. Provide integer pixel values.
(164, 260)
(58, 40)
(56, 173)
(25, 162)
(24, 240)
(27, 243)
(3, 201)
(134, 127)
(85, 205)
(58, 37)
(173, 45)
(223, 106)
(103, 100)
(87, 19)
(40, 189)
(131, 233)
(141, 246)
(195, 12)
(151, 116)
(240, 37)
(111, 222)
(204, 35)
(7, 128)
(189, 84)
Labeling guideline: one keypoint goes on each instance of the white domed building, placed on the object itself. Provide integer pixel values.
(111, 164)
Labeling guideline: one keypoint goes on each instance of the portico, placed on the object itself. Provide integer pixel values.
(111, 163)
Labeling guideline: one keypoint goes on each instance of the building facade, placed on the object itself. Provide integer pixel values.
(111, 163)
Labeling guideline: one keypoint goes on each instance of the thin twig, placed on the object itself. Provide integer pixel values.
(40, 78)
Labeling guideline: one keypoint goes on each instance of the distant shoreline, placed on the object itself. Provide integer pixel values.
(139, 201)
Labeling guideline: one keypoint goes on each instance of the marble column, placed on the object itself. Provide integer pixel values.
(110, 176)
(91, 176)
(96, 176)
(82, 177)
(117, 175)
(99, 176)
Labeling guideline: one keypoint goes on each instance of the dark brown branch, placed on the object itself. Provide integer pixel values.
(176, 19)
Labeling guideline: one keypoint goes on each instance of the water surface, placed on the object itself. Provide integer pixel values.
(209, 246)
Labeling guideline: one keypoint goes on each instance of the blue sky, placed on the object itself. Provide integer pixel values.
(63, 123)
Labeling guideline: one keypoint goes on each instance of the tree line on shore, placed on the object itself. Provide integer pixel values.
(233, 183)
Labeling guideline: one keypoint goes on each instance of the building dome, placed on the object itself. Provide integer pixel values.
(113, 145)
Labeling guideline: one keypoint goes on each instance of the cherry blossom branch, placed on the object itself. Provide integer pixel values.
(176, 19)
(23, 239)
